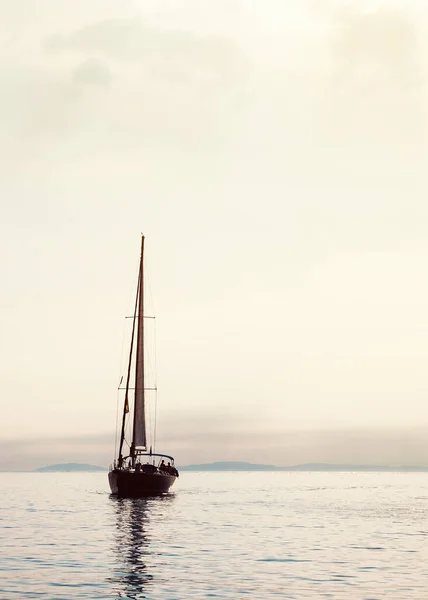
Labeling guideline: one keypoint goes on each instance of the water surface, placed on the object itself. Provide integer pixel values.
(220, 535)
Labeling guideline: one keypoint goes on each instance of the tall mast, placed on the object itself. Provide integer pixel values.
(139, 429)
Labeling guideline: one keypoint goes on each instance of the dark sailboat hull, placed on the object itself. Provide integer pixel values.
(128, 484)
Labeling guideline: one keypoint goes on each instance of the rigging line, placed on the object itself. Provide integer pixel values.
(117, 394)
(146, 399)
(126, 403)
(131, 292)
(156, 393)
(128, 433)
(117, 416)
(148, 348)
(150, 362)
(149, 286)
(117, 422)
(155, 420)
(130, 299)
(149, 427)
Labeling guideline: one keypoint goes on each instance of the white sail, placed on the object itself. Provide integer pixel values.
(139, 432)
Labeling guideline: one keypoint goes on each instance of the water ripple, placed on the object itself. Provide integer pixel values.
(222, 535)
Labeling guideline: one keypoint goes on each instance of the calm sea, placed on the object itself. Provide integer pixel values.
(220, 535)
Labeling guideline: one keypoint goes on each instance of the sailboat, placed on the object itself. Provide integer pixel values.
(139, 472)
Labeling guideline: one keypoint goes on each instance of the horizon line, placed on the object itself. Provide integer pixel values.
(301, 466)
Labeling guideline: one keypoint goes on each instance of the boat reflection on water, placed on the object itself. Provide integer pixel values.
(132, 544)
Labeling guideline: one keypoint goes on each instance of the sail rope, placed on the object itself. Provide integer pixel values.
(126, 403)
(118, 392)
(121, 363)
(152, 366)
(117, 421)
(156, 393)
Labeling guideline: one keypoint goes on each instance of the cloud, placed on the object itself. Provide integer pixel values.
(134, 42)
(382, 43)
(376, 85)
(92, 72)
(123, 87)
(127, 82)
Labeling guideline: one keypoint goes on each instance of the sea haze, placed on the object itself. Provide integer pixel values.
(288, 535)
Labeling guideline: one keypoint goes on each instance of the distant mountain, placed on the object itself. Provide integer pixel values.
(350, 468)
(230, 466)
(245, 466)
(69, 467)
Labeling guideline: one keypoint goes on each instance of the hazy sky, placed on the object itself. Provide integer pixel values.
(274, 155)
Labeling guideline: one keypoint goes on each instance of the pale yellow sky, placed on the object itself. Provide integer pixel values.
(274, 156)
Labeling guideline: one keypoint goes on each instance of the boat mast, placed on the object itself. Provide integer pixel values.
(139, 429)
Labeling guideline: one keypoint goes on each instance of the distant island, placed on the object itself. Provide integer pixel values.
(246, 466)
(230, 466)
(68, 468)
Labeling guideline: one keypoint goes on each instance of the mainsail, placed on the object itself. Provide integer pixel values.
(139, 430)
